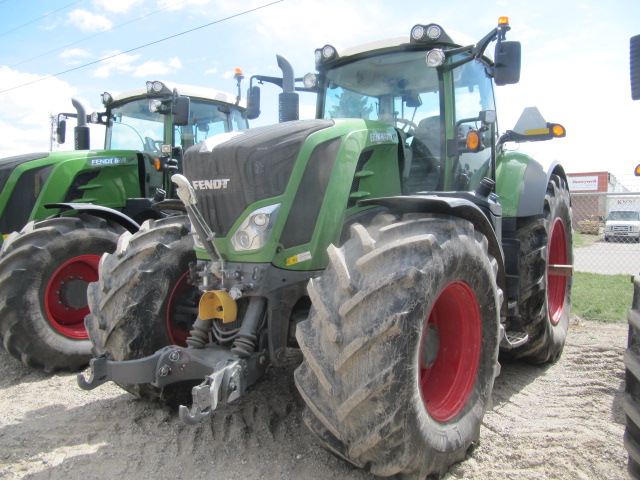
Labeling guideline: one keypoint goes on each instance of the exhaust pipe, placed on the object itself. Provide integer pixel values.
(288, 107)
(81, 132)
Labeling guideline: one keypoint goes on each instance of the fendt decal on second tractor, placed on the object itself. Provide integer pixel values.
(53, 254)
(394, 240)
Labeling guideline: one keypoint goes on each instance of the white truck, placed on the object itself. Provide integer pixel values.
(622, 224)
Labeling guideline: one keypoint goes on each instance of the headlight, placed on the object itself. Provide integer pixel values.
(254, 232)
(435, 58)
(155, 106)
(106, 98)
(310, 80)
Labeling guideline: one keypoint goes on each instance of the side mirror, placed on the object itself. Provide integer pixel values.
(634, 58)
(253, 103)
(181, 110)
(506, 70)
(61, 131)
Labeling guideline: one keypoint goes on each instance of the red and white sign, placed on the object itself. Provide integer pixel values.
(583, 184)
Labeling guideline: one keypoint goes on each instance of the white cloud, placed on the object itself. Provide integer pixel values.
(158, 68)
(180, 4)
(116, 6)
(121, 63)
(89, 22)
(74, 52)
(211, 71)
(25, 113)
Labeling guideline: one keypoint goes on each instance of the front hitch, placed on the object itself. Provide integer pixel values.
(225, 384)
(226, 376)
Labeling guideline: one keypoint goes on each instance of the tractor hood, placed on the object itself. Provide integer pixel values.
(238, 170)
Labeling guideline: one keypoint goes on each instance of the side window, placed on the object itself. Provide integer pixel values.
(473, 93)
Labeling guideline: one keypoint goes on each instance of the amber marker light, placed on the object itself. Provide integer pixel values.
(158, 164)
(558, 130)
(473, 141)
(637, 172)
(503, 21)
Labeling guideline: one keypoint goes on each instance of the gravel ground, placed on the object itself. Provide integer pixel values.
(561, 421)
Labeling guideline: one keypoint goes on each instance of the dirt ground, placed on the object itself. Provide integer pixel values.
(564, 421)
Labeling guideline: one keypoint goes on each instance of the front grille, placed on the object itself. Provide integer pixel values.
(249, 167)
(622, 228)
(23, 198)
(7, 165)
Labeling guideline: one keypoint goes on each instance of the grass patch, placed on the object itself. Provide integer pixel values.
(601, 297)
(582, 240)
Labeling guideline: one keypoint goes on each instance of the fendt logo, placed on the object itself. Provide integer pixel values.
(215, 184)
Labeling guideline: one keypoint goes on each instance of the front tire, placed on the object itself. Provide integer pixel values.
(545, 299)
(400, 349)
(44, 273)
(143, 301)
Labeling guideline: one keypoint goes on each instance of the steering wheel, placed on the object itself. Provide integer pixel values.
(407, 123)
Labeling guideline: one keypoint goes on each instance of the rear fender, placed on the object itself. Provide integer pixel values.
(522, 184)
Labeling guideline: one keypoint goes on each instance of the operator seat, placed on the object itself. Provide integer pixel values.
(424, 170)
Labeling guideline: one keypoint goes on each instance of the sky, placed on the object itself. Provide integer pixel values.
(575, 59)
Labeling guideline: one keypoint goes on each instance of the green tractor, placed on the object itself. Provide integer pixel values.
(68, 208)
(394, 239)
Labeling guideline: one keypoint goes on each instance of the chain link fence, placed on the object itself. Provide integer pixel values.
(606, 241)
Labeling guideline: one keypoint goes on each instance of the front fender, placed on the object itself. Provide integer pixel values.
(99, 211)
(456, 207)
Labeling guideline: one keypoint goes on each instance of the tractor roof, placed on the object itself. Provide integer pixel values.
(187, 90)
(457, 40)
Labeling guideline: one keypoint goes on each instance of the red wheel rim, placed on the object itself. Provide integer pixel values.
(450, 351)
(178, 300)
(556, 284)
(66, 295)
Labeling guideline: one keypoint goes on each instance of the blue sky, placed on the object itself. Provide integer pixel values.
(575, 65)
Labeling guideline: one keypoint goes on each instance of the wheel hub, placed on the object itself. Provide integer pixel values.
(74, 293)
(65, 297)
(450, 351)
(430, 346)
(556, 284)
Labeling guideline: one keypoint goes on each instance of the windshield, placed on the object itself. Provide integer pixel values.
(628, 216)
(134, 127)
(397, 88)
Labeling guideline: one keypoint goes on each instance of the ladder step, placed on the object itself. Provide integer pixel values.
(513, 339)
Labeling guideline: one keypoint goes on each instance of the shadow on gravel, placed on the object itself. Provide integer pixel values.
(260, 436)
(15, 372)
(514, 377)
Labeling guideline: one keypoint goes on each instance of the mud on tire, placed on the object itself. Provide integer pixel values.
(545, 299)
(142, 301)
(388, 386)
(44, 272)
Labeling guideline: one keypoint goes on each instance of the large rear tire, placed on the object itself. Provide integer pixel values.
(545, 299)
(143, 301)
(400, 349)
(44, 273)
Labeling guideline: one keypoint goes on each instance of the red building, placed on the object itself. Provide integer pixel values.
(587, 207)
